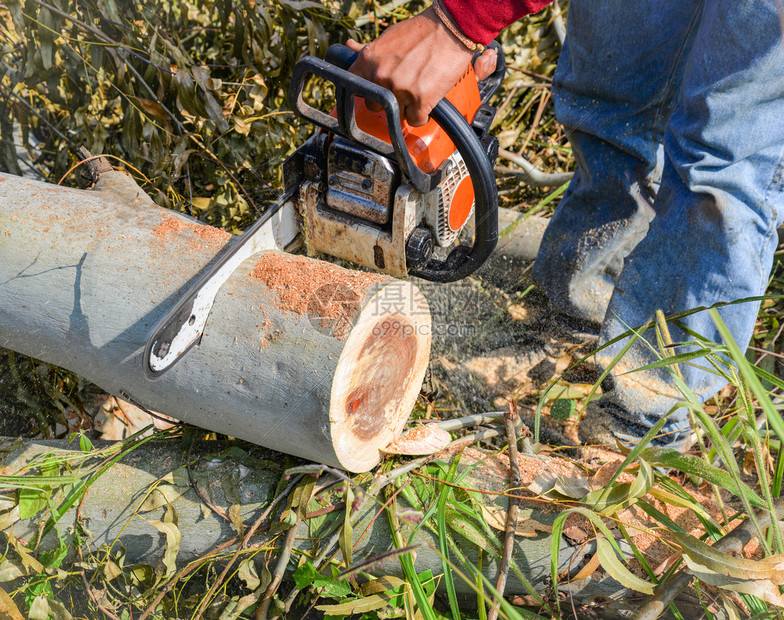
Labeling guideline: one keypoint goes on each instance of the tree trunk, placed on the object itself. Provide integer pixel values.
(298, 355)
(118, 508)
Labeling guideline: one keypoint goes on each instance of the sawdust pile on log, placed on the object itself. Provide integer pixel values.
(335, 294)
(173, 226)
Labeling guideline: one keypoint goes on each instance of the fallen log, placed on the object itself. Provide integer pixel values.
(298, 354)
(120, 507)
(122, 510)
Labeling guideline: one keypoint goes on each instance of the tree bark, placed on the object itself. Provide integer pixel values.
(298, 355)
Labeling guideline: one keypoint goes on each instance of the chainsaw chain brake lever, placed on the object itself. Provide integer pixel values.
(463, 260)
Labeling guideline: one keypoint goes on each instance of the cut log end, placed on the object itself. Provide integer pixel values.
(379, 374)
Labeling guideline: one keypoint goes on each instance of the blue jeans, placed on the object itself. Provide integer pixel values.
(675, 112)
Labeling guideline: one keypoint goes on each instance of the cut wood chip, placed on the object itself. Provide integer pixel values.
(420, 440)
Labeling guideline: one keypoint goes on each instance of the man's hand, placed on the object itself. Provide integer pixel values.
(420, 61)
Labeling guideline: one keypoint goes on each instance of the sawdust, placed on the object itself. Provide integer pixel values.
(171, 226)
(506, 370)
(268, 338)
(330, 295)
(422, 439)
(418, 432)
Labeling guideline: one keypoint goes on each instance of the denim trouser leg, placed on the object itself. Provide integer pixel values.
(613, 92)
(720, 201)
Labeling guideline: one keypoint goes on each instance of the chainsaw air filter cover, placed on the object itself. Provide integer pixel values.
(452, 203)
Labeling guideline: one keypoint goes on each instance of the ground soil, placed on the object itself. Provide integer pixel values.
(495, 338)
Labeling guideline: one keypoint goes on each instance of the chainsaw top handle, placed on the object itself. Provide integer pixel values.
(462, 261)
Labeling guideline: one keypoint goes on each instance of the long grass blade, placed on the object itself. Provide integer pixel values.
(443, 543)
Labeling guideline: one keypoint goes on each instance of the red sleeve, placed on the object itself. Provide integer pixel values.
(482, 20)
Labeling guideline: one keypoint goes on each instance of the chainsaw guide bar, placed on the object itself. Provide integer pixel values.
(183, 325)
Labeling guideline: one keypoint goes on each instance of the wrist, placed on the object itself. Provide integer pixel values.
(445, 17)
(446, 39)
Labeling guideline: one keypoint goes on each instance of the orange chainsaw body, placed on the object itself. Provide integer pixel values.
(428, 145)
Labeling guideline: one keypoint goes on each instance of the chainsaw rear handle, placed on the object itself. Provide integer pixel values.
(347, 86)
(462, 261)
(343, 57)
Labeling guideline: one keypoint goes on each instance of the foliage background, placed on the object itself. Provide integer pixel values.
(191, 94)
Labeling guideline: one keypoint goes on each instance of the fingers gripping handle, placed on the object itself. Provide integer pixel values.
(462, 261)
(347, 86)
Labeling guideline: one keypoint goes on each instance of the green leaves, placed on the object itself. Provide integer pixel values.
(135, 79)
(759, 578)
(32, 501)
(346, 538)
(762, 588)
(443, 539)
(355, 606)
(622, 495)
(607, 499)
(605, 544)
(307, 575)
(385, 595)
(771, 568)
(173, 538)
(695, 466)
(563, 409)
(610, 562)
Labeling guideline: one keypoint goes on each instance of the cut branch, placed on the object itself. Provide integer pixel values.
(530, 174)
(510, 422)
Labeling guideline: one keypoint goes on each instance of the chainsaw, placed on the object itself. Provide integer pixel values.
(367, 188)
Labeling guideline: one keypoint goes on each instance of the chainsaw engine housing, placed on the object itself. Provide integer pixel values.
(377, 191)
(358, 205)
